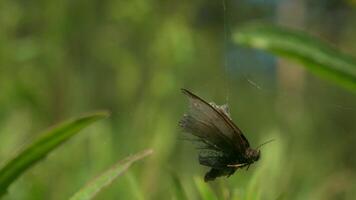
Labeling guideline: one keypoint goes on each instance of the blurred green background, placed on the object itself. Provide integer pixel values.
(59, 59)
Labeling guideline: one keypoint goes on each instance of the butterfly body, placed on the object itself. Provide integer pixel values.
(225, 149)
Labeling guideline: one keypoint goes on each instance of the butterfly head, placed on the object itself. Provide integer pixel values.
(253, 155)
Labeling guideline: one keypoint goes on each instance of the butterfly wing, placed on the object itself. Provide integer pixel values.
(213, 125)
(214, 173)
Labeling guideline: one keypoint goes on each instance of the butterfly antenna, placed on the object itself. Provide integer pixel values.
(268, 141)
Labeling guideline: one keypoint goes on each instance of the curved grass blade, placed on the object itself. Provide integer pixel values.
(253, 192)
(42, 146)
(204, 190)
(178, 187)
(96, 185)
(317, 56)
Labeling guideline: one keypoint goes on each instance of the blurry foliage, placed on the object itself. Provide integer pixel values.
(62, 58)
(315, 55)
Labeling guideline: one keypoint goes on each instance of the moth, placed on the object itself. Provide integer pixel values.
(225, 149)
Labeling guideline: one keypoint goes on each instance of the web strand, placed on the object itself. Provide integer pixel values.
(225, 50)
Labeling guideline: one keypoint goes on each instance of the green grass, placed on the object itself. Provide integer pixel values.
(105, 179)
(38, 149)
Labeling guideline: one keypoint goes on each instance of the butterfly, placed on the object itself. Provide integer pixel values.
(225, 149)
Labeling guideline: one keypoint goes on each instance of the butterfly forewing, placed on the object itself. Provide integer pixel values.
(212, 117)
(207, 133)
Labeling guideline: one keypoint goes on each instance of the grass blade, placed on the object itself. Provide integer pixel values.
(93, 187)
(205, 191)
(37, 150)
(178, 188)
(315, 55)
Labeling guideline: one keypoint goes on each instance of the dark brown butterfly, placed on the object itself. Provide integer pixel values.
(225, 149)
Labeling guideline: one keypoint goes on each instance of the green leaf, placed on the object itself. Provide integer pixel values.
(315, 55)
(48, 141)
(205, 191)
(93, 187)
